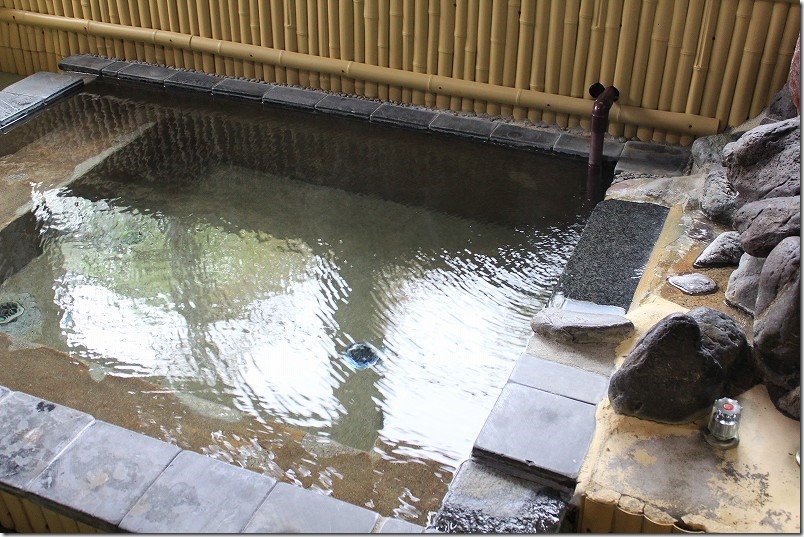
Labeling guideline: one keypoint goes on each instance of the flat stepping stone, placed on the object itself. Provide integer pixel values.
(653, 159)
(560, 379)
(693, 284)
(581, 327)
(724, 251)
(403, 116)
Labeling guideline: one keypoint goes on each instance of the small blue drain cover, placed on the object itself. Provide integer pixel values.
(362, 354)
(9, 311)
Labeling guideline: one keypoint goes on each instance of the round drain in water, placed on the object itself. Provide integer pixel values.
(9, 311)
(362, 354)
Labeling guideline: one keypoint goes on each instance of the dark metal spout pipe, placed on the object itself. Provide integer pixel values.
(604, 98)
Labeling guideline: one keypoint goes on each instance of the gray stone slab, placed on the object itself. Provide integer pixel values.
(85, 63)
(607, 263)
(537, 434)
(347, 106)
(469, 127)
(47, 86)
(654, 159)
(396, 525)
(570, 144)
(483, 500)
(34, 432)
(146, 74)
(202, 82)
(523, 137)
(198, 494)
(114, 68)
(581, 327)
(291, 509)
(294, 97)
(403, 116)
(241, 89)
(14, 107)
(559, 379)
(103, 473)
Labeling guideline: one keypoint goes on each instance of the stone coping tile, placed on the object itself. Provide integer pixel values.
(114, 68)
(403, 116)
(191, 80)
(537, 433)
(198, 494)
(559, 379)
(396, 525)
(34, 432)
(347, 106)
(242, 89)
(85, 63)
(104, 472)
(46, 86)
(291, 509)
(14, 107)
(655, 159)
(518, 136)
(467, 127)
(294, 97)
(570, 144)
(148, 74)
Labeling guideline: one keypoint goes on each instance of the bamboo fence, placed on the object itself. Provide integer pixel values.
(684, 68)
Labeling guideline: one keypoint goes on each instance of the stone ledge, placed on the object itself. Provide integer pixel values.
(559, 379)
(653, 159)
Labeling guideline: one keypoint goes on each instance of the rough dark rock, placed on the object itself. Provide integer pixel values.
(781, 106)
(788, 402)
(580, 327)
(763, 224)
(701, 231)
(765, 162)
(724, 251)
(794, 79)
(741, 291)
(718, 197)
(707, 150)
(693, 284)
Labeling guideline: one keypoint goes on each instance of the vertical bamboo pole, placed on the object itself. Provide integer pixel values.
(511, 43)
(792, 30)
(129, 50)
(51, 37)
(334, 40)
(153, 17)
(227, 14)
(611, 37)
(598, 32)
(347, 42)
(747, 77)
(71, 9)
(419, 45)
(585, 16)
(553, 67)
(164, 24)
(312, 40)
(742, 19)
(702, 58)
(289, 22)
(470, 49)
(95, 15)
(278, 33)
(763, 90)
(483, 50)
(28, 40)
(135, 21)
(144, 17)
(62, 43)
(671, 61)
(192, 12)
(6, 57)
(499, 17)
(211, 63)
(433, 13)
(266, 37)
(112, 45)
(359, 40)
(624, 66)
(570, 37)
(408, 28)
(642, 50)
(446, 42)
(302, 37)
(458, 52)
(15, 44)
(44, 40)
(524, 51)
(541, 31)
(720, 51)
(323, 40)
(389, 44)
(59, 7)
(371, 15)
(184, 27)
(656, 59)
(681, 86)
(83, 10)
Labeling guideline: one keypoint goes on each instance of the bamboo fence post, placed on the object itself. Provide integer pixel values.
(192, 13)
(28, 41)
(44, 40)
(597, 35)
(446, 42)
(312, 40)
(671, 60)
(624, 66)
(278, 34)
(164, 24)
(585, 15)
(129, 51)
(703, 55)
(15, 43)
(55, 8)
(389, 44)
(244, 29)
(569, 40)
(359, 40)
(6, 57)
(135, 21)
(60, 8)
(433, 14)
(323, 41)
(184, 27)
(483, 50)
(111, 44)
(371, 45)
(762, 92)
(742, 19)
(747, 77)
(210, 62)
(792, 30)
(144, 17)
(458, 51)
(346, 37)
(227, 11)
(94, 14)
(553, 66)
(470, 49)
(540, 36)
(524, 51)
(334, 40)
(658, 53)
(681, 86)
(83, 41)
(302, 37)
(511, 44)
(611, 37)
(419, 45)
(289, 23)
(51, 37)
(720, 52)
(642, 50)
(499, 16)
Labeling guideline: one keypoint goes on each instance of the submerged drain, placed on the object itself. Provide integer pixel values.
(362, 355)
(9, 311)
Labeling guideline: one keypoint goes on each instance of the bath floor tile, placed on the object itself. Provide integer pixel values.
(291, 509)
(537, 433)
(347, 106)
(516, 136)
(242, 89)
(104, 472)
(193, 81)
(149, 74)
(559, 379)
(294, 97)
(403, 116)
(47, 86)
(33, 433)
(396, 525)
(656, 159)
(85, 63)
(198, 494)
(570, 144)
(468, 127)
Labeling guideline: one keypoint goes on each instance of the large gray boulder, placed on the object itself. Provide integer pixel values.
(741, 291)
(707, 151)
(763, 224)
(718, 196)
(765, 162)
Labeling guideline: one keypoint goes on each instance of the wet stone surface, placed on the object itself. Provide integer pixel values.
(149, 74)
(467, 127)
(84, 63)
(654, 159)
(559, 379)
(192, 81)
(294, 97)
(347, 106)
(46, 86)
(569, 144)
(403, 116)
(242, 89)
(693, 284)
(14, 107)
(514, 135)
(114, 68)
(581, 327)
